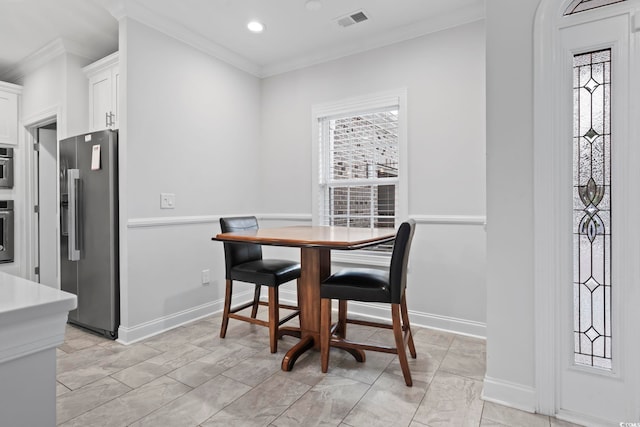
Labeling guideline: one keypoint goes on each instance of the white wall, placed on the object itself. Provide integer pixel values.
(76, 98)
(192, 129)
(510, 316)
(444, 74)
(56, 88)
(44, 87)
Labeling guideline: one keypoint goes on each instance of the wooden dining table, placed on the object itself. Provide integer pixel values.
(315, 243)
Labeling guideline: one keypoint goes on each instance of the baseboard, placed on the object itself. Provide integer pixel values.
(586, 420)
(419, 319)
(509, 394)
(130, 335)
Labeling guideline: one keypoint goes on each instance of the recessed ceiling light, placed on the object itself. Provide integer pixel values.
(255, 26)
(313, 5)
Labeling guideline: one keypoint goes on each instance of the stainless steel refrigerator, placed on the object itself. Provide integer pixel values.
(89, 229)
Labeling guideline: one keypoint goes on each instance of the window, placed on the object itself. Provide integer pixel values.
(592, 208)
(582, 5)
(359, 179)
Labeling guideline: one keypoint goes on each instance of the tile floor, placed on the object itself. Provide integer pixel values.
(190, 377)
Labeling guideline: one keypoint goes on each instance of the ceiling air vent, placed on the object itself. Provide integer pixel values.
(353, 18)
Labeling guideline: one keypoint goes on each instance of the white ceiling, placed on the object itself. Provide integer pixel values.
(294, 36)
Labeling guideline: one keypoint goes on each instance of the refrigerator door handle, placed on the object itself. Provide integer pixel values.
(73, 177)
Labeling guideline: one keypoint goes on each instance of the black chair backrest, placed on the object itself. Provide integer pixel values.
(400, 260)
(239, 253)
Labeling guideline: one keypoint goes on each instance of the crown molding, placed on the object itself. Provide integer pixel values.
(458, 17)
(11, 88)
(46, 54)
(121, 9)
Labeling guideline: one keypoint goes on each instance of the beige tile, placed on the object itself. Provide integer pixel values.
(360, 333)
(176, 357)
(83, 376)
(451, 400)
(126, 356)
(132, 406)
(467, 364)
(560, 423)
(424, 366)
(255, 369)
(468, 346)
(261, 405)
(488, 423)
(306, 370)
(510, 416)
(142, 373)
(102, 363)
(80, 359)
(343, 364)
(72, 332)
(76, 402)
(88, 393)
(196, 406)
(61, 389)
(174, 338)
(79, 342)
(327, 403)
(432, 337)
(219, 360)
(388, 402)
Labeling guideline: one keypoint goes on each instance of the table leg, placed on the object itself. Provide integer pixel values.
(315, 266)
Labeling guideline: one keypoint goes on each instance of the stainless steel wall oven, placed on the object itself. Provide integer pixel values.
(6, 231)
(6, 167)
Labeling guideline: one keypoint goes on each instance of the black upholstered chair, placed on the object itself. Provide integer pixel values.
(244, 263)
(370, 285)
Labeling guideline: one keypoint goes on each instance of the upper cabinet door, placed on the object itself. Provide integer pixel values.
(104, 86)
(100, 100)
(8, 117)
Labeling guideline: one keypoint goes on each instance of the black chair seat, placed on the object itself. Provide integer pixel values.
(361, 284)
(267, 272)
(244, 263)
(370, 285)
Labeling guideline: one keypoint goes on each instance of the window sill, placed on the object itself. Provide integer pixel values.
(363, 258)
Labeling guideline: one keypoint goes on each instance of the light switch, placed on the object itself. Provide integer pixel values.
(167, 201)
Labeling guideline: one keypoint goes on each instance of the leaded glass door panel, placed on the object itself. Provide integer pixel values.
(595, 346)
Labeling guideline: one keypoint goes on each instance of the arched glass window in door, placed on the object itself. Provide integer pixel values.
(582, 5)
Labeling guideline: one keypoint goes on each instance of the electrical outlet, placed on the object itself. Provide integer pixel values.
(205, 276)
(167, 201)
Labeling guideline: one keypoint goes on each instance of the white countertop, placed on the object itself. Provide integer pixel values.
(32, 316)
(19, 296)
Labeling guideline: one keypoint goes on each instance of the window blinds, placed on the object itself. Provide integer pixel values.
(359, 174)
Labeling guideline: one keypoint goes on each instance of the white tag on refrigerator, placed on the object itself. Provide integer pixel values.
(95, 158)
(87, 138)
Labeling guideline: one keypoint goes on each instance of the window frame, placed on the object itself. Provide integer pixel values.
(354, 105)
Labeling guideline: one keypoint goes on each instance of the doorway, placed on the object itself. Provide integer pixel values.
(46, 212)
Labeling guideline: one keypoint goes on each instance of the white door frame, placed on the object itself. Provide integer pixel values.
(550, 173)
(31, 125)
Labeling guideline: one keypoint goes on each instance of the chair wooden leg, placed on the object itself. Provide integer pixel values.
(405, 322)
(226, 309)
(256, 300)
(341, 331)
(402, 352)
(274, 318)
(325, 333)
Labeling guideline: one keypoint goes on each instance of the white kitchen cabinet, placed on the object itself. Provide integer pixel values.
(9, 113)
(104, 87)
